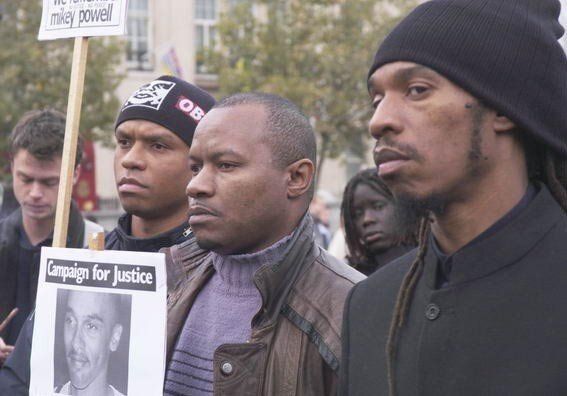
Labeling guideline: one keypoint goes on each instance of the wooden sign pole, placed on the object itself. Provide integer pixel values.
(70, 145)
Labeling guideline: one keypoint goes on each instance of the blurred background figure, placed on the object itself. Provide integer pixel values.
(8, 201)
(338, 247)
(369, 217)
(319, 210)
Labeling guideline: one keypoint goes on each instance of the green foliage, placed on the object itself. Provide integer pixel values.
(35, 74)
(313, 52)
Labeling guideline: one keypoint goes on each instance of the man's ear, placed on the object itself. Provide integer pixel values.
(300, 177)
(76, 174)
(502, 124)
(115, 337)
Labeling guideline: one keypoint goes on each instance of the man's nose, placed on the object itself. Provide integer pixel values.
(201, 184)
(134, 158)
(386, 118)
(78, 341)
(36, 191)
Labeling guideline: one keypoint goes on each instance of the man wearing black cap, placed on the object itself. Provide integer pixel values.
(154, 131)
(153, 134)
(471, 128)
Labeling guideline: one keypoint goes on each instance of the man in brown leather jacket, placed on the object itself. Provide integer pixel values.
(261, 313)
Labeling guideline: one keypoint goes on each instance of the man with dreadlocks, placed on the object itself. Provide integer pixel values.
(470, 119)
(368, 213)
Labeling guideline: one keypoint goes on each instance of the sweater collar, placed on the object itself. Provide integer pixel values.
(503, 247)
(237, 270)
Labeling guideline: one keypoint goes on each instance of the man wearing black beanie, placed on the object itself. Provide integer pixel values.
(154, 131)
(470, 119)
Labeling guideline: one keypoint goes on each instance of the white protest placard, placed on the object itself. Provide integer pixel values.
(82, 18)
(100, 323)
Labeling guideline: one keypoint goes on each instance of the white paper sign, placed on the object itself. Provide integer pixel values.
(82, 18)
(100, 323)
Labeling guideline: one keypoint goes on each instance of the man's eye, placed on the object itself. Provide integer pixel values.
(51, 183)
(195, 168)
(159, 146)
(123, 143)
(376, 101)
(69, 321)
(416, 90)
(226, 165)
(91, 327)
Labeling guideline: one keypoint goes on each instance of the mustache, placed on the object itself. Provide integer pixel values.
(407, 150)
(197, 207)
(74, 355)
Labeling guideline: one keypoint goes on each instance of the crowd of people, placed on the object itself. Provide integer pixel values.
(453, 276)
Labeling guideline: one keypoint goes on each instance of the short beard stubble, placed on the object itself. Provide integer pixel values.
(410, 209)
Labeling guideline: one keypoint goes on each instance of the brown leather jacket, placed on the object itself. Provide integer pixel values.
(295, 344)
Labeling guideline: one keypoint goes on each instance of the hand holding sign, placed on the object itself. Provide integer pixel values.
(8, 319)
(5, 350)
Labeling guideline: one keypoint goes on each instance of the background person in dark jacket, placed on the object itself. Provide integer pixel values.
(368, 212)
(471, 130)
(154, 131)
(36, 146)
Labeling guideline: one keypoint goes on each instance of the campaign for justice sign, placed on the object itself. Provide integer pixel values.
(100, 323)
(82, 18)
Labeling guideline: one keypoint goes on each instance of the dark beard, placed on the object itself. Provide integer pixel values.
(410, 210)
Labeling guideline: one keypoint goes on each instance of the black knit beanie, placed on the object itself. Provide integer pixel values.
(503, 52)
(170, 102)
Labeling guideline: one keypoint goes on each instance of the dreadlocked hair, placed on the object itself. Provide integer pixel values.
(359, 255)
(545, 166)
(403, 301)
(555, 177)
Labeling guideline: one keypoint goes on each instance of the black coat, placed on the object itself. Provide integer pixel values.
(498, 328)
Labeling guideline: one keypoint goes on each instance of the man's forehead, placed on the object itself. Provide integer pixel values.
(143, 127)
(88, 303)
(398, 72)
(241, 123)
(41, 168)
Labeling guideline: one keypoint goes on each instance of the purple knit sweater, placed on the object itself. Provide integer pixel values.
(222, 314)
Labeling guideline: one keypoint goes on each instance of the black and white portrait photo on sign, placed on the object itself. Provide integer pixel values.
(100, 324)
(92, 337)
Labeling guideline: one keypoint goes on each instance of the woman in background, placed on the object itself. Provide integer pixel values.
(369, 217)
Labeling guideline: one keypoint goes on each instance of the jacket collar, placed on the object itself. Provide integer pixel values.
(506, 246)
(275, 281)
(153, 244)
(75, 233)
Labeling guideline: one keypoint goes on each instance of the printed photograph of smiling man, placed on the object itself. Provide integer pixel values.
(92, 338)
